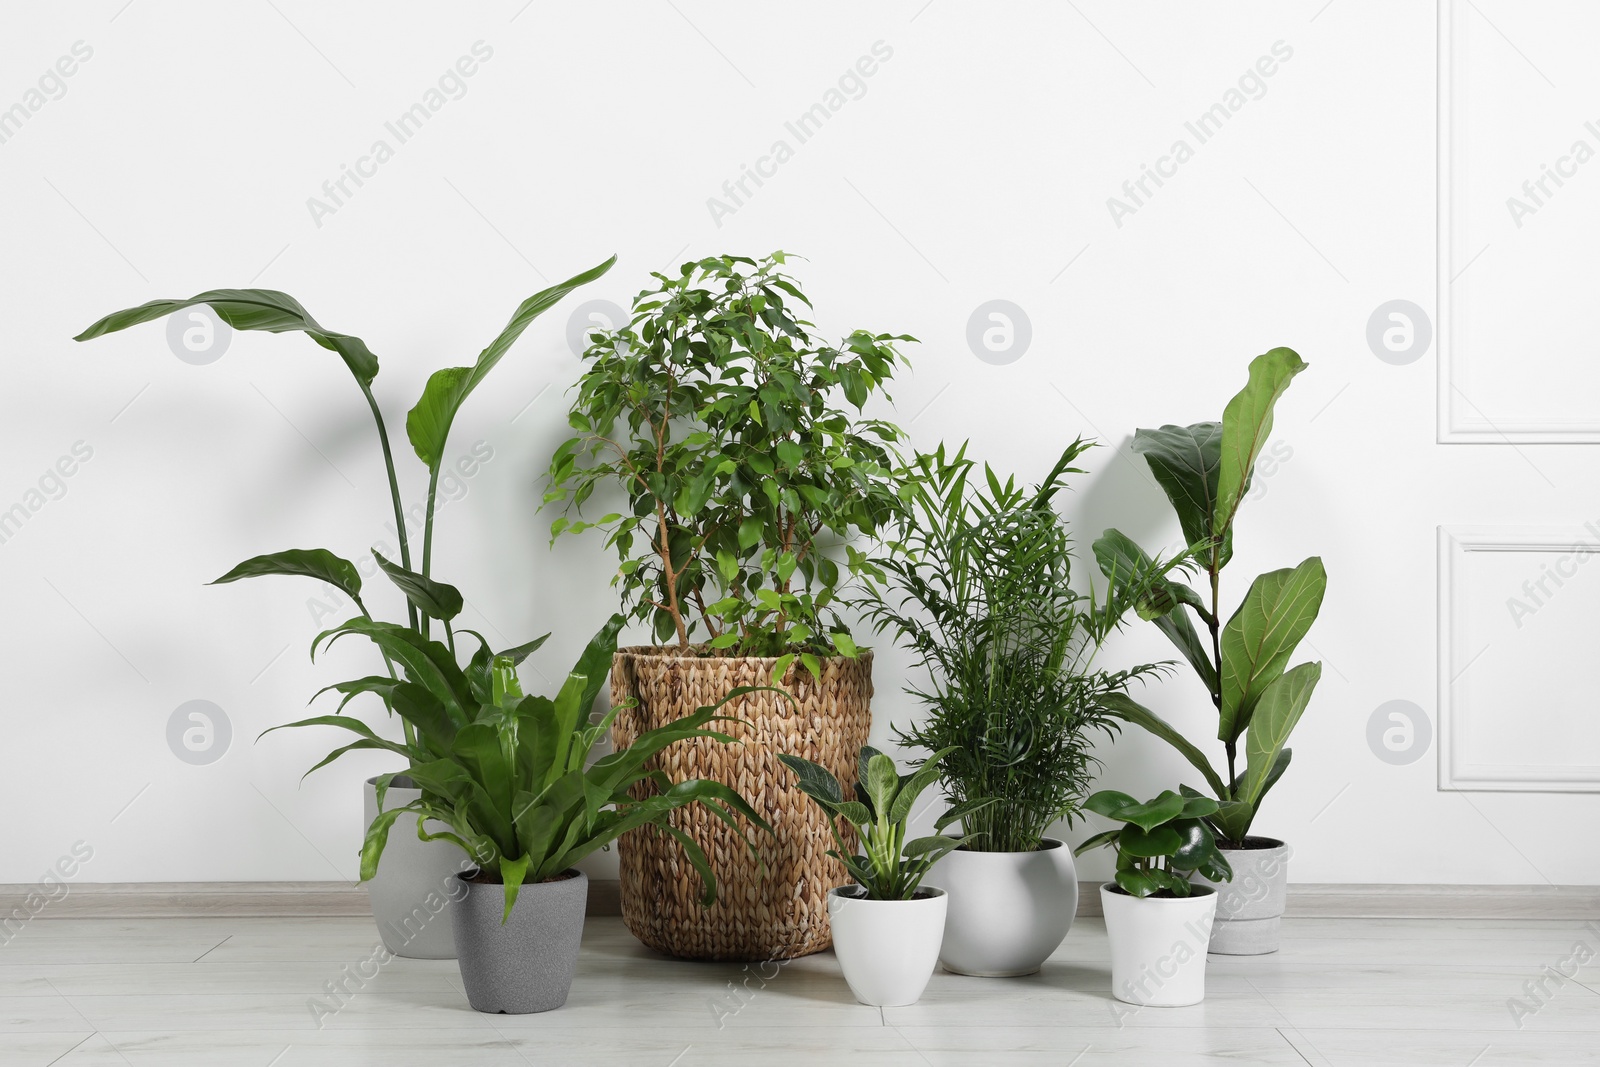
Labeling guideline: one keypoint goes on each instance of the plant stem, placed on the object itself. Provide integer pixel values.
(1214, 624)
(411, 738)
(394, 492)
(427, 532)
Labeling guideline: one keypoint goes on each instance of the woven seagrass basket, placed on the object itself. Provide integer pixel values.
(778, 913)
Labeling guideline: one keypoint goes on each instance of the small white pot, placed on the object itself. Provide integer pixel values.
(1250, 908)
(1158, 945)
(1008, 910)
(415, 888)
(887, 948)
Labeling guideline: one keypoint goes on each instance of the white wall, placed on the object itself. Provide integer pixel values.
(976, 166)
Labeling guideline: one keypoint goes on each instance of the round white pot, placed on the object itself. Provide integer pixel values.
(1158, 945)
(1008, 910)
(1250, 907)
(887, 948)
(415, 889)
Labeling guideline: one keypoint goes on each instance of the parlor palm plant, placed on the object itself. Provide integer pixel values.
(979, 587)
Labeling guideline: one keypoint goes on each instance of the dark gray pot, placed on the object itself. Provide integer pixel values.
(526, 965)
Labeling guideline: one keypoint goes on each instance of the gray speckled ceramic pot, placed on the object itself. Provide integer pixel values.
(525, 965)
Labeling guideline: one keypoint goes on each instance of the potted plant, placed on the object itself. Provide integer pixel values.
(1157, 920)
(979, 588)
(413, 890)
(1243, 662)
(733, 444)
(509, 775)
(887, 928)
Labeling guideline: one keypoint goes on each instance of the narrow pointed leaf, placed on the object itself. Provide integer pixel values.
(428, 424)
(251, 309)
(316, 563)
(1127, 709)
(437, 600)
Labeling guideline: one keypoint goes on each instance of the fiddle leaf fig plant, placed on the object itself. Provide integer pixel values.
(737, 441)
(1161, 842)
(889, 867)
(428, 426)
(1243, 659)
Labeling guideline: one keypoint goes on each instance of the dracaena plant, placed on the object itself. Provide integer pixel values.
(427, 427)
(1243, 661)
(1161, 843)
(722, 420)
(509, 773)
(979, 588)
(888, 867)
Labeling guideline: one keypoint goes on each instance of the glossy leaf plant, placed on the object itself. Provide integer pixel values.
(1242, 660)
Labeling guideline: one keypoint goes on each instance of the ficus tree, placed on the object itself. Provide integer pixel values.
(1243, 659)
(736, 439)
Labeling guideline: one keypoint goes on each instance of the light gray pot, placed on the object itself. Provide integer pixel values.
(1250, 907)
(415, 888)
(525, 965)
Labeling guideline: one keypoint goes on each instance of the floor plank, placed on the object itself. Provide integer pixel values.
(307, 993)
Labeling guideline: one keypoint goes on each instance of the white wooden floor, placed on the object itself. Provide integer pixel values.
(219, 993)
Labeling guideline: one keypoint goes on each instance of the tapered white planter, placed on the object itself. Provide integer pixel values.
(1250, 907)
(1008, 910)
(1158, 945)
(887, 948)
(415, 888)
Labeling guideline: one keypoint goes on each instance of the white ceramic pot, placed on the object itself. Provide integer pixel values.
(415, 888)
(887, 948)
(1158, 945)
(1250, 908)
(1008, 910)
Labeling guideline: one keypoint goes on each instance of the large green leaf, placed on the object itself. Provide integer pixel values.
(1119, 558)
(814, 781)
(1184, 460)
(1147, 844)
(428, 424)
(912, 786)
(251, 309)
(419, 707)
(512, 872)
(1246, 422)
(1258, 641)
(882, 782)
(301, 562)
(1150, 814)
(1279, 709)
(437, 600)
(426, 662)
(1127, 709)
(1232, 821)
(576, 697)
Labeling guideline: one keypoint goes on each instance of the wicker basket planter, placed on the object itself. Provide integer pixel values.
(778, 913)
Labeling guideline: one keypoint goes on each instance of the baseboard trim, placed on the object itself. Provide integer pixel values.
(226, 900)
(183, 900)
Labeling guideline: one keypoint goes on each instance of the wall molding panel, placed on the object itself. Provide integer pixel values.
(1511, 600)
(1509, 269)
